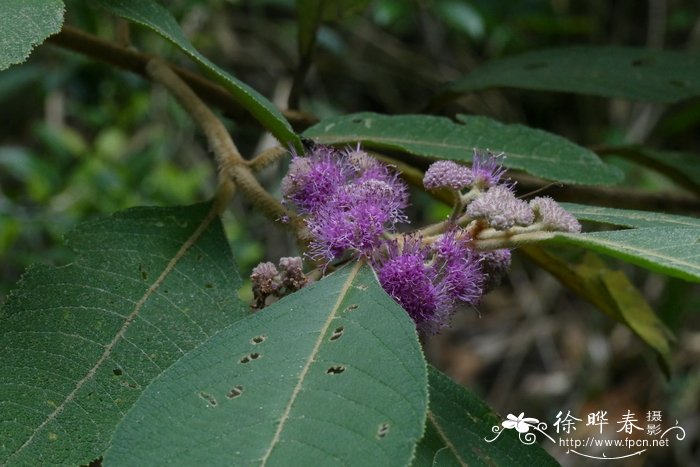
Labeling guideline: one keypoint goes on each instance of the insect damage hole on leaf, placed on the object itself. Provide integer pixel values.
(352, 307)
(235, 392)
(117, 372)
(383, 430)
(248, 358)
(258, 339)
(337, 333)
(335, 370)
(211, 400)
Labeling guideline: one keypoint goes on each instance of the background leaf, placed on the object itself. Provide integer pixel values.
(632, 73)
(79, 343)
(668, 250)
(333, 372)
(25, 24)
(463, 422)
(312, 13)
(537, 152)
(681, 167)
(612, 293)
(150, 14)
(629, 217)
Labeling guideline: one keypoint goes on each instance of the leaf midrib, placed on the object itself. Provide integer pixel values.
(310, 360)
(211, 215)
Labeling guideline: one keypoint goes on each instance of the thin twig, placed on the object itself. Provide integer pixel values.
(232, 166)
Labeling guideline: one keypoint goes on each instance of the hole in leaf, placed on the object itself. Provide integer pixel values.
(117, 371)
(337, 333)
(258, 339)
(200, 257)
(208, 398)
(383, 430)
(534, 65)
(209, 285)
(352, 307)
(335, 370)
(357, 120)
(248, 358)
(643, 61)
(679, 83)
(235, 392)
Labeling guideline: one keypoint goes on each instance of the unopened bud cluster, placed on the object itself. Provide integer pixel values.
(491, 199)
(271, 283)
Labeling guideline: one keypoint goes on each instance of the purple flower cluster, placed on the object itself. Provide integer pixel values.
(349, 200)
(430, 282)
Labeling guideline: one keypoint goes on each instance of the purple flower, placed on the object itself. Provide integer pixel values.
(349, 198)
(459, 267)
(552, 216)
(346, 223)
(501, 209)
(312, 179)
(486, 170)
(447, 174)
(430, 282)
(404, 274)
(494, 265)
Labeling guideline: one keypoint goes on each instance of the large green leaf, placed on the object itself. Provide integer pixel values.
(463, 424)
(535, 151)
(630, 218)
(79, 343)
(632, 73)
(25, 24)
(152, 15)
(668, 250)
(331, 375)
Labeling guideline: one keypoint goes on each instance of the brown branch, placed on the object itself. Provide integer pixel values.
(128, 59)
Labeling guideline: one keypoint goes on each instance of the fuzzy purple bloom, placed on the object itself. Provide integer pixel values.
(495, 265)
(312, 179)
(552, 216)
(447, 174)
(405, 275)
(487, 170)
(501, 209)
(459, 267)
(349, 197)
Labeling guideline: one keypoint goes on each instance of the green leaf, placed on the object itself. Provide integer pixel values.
(612, 293)
(430, 443)
(534, 151)
(632, 73)
(25, 24)
(331, 374)
(152, 15)
(464, 424)
(79, 343)
(630, 218)
(668, 250)
(682, 167)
